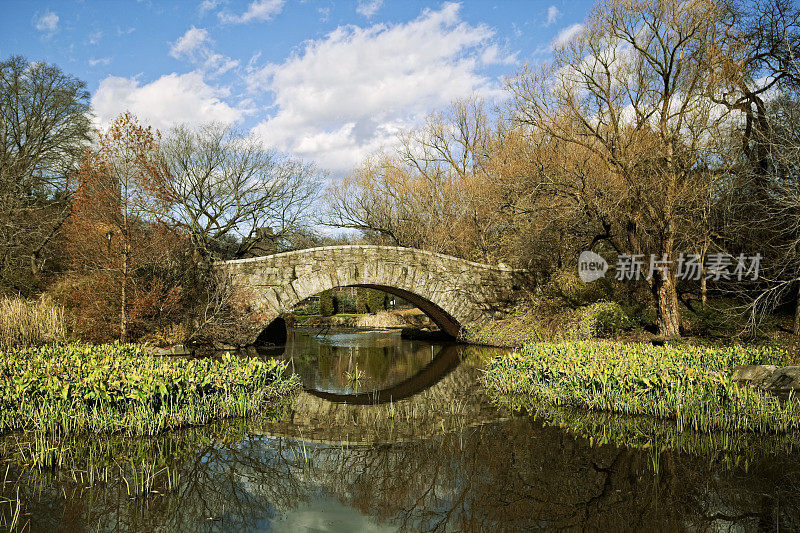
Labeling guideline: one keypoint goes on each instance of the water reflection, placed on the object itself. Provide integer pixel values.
(506, 476)
(365, 368)
(444, 459)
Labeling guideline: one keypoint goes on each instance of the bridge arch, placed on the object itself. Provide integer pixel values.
(454, 292)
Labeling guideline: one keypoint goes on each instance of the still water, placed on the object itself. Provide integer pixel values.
(395, 435)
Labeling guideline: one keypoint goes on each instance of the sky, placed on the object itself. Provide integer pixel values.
(326, 81)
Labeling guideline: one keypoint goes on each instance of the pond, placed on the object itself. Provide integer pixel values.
(391, 435)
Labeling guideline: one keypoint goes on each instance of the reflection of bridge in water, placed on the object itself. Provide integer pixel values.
(444, 362)
(444, 395)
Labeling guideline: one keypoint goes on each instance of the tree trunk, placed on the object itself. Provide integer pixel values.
(703, 289)
(667, 310)
(126, 251)
(797, 311)
(34, 264)
(123, 315)
(703, 282)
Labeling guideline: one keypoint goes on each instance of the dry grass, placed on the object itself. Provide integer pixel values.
(381, 319)
(30, 322)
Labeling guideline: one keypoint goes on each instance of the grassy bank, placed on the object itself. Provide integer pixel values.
(76, 388)
(546, 322)
(689, 384)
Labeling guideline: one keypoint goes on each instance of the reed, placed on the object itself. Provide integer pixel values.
(30, 322)
(691, 385)
(119, 388)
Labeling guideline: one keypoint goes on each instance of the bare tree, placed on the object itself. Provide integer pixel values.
(224, 184)
(433, 193)
(754, 54)
(630, 89)
(756, 73)
(44, 129)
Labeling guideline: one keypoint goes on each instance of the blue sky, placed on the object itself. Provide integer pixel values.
(329, 81)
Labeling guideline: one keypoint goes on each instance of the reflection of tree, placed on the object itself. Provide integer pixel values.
(519, 475)
(377, 366)
(513, 475)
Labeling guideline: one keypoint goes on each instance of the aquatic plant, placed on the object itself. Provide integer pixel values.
(354, 378)
(691, 384)
(726, 449)
(77, 388)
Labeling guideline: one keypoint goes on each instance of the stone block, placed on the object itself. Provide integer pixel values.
(784, 379)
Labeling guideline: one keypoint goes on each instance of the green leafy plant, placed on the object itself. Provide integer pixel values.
(120, 388)
(327, 304)
(689, 384)
(370, 301)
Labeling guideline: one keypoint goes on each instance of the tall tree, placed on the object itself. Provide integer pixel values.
(44, 129)
(756, 74)
(223, 184)
(754, 55)
(112, 231)
(629, 91)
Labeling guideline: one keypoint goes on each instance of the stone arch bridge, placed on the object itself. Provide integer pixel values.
(453, 292)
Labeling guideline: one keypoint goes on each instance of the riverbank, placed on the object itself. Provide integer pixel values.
(552, 320)
(692, 385)
(120, 388)
(391, 319)
(546, 321)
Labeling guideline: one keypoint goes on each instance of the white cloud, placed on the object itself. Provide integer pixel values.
(169, 100)
(566, 35)
(350, 92)
(258, 10)
(207, 5)
(196, 46)
(492, 55)
(189, 42)
(552, 15)
(368, 8)
(48, 22)
(100, 61)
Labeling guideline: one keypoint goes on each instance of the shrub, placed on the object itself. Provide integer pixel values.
(547, 321)
(119, 388)
(311, 308)
(327, 304)
(168, 335)
(30, 322)
(370, 301)
(603, 320)
(690, 384)
(566, 286)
